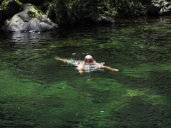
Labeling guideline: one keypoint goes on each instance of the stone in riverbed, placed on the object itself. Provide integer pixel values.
(29, 20)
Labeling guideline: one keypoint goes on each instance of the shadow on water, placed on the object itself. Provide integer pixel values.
(38, 91)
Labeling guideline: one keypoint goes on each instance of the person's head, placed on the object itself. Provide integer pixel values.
(88, 59)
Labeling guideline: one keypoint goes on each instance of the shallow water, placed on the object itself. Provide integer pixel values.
(38, 91)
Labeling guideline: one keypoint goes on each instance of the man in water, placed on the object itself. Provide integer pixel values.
(89, 64)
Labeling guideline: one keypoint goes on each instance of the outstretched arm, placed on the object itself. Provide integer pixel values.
(62, 59)
(110, 68)
(106, 67)
(79, 68)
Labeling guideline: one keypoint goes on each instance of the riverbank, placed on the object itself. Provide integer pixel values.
(76, 12)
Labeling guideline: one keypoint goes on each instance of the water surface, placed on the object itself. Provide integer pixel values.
(38, 91)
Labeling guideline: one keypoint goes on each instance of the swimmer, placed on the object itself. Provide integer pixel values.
(89, 64)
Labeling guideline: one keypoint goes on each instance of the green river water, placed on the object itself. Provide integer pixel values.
(37, 91)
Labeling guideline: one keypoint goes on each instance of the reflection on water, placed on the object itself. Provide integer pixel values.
(38, 91)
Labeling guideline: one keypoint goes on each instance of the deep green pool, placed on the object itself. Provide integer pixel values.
(37, 91)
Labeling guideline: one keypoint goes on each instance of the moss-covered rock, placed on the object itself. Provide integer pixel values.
(41, 4)
(31, 14)
(35, 2)
(30, 19)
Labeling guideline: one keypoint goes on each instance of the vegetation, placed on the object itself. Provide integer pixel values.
(71, 12)
(81, 11)
(31, 14)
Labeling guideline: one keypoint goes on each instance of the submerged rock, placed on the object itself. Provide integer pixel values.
(29, 20)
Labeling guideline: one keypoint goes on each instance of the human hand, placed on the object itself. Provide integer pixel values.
(80, 71)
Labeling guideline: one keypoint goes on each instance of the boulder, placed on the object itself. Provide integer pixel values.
(102, 19)
(35, 2)
(29, 20)
(159, 7)
(166, 9)
(42, 4)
